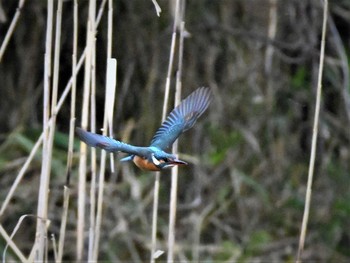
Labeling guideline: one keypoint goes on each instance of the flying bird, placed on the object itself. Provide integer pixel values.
(155, 157)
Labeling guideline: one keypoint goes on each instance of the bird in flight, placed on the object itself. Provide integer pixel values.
(154, 157)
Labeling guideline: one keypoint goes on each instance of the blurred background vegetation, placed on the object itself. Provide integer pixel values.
(242, 196)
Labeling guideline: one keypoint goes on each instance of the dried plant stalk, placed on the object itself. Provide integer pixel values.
(73, 91)
(12, 245)
(48, 134)
(66, 192)
(11, 28)
(109, 105)
(83, 148)
(314, 137)
(164, 112)
(93, 129)
(66, 195)
(175, 170)
(108, 120)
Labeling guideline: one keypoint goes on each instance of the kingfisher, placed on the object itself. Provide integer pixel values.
(155, 157)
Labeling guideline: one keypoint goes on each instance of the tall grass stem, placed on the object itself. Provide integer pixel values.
(11, 28)
(164, 112)
(175, 170)
(83, 148)
(41, 234)
(314, 137)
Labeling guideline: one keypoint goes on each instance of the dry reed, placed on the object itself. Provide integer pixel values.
(175, 170)
(11, 29)
(164, 113)
(43, 177)
(314, 137)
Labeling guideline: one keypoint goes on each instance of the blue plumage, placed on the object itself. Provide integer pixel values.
(109, 144)
(154, 157)
(182, 118)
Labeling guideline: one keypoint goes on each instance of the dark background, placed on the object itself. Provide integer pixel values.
(245, 187)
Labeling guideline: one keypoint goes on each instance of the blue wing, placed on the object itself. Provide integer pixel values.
(109, 144)
(182, 118)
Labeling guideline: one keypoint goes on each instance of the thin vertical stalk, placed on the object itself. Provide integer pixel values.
(109, 105)
(108, 119)
(11, 28)
(46, 111)
(99, 205)
(71, 135)
(66, 195)
(93, 156)
(155, 216)
(164, 112)
(54, 247)
(110, 29)
(272, 29)
(173, 205)
(73, 91)
(82, 169)
(56, 59)
(54, 98)
(314, 137)
(84, 123)
(110, 109)
(93, 129)
(175, 170)
(48, 133)
(270, 80)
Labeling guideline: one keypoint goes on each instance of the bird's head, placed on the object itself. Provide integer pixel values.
(165, 161)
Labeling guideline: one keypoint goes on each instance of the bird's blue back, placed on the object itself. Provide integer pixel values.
(180, 119)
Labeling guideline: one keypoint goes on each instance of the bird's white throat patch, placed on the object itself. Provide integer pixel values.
(155, 160)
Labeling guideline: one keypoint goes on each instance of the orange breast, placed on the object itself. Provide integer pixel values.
(144, 164)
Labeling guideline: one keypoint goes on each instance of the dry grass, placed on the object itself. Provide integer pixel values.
(314, 138)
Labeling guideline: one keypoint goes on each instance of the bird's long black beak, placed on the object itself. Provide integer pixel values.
(178, 162)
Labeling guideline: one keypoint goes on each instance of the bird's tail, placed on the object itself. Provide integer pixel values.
(97, 140)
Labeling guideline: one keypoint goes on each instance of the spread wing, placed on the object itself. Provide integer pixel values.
(109, 144)
(182, 118)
